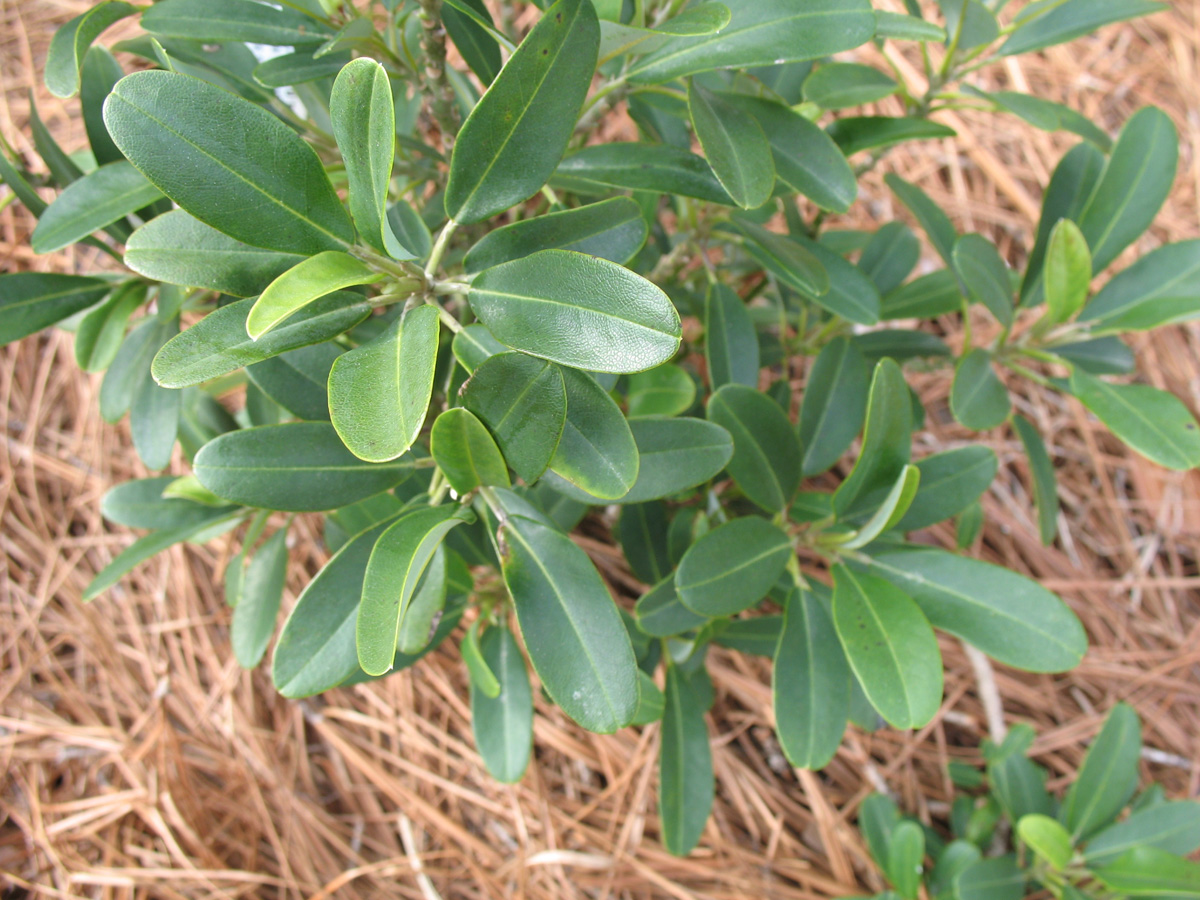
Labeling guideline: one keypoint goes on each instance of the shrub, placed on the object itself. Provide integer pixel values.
(457, 323)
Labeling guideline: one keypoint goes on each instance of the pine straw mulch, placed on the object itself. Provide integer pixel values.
(139, 761)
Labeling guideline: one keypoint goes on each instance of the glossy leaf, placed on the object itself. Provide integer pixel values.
(577, 310)
(573, 633)
(810, 684)
(466, 452)
(473, 345)
(298, 466)
(364, 125)
(950, 482)
(305, 282)
(890, 647)
(101, 197)
(665, 390)
(218, 343)
(1071, 19)
(232, 20)
(766, 452)
(258, 607)
(1154, 423)
(978, 398)
(1008, 617)
(71, 42)
(854, 134)
(734, 146)
(379, 393)
(228, 162)
(890, 511)
(1161, 288)
(597, 452)
(642, 532)
(517, 133)
(985, 275)
(297, 380)
(523, 401)
(503, 725)
(732, 567)
(31, 301)
(731, 342)
(685, 772)
(1041, 471)
(841, 85)
(834, 404)
(794, 263)
(640, 167)
(473, 38)
(1109, 775)
(886, 445)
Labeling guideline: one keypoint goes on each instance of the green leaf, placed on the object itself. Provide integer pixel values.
(612, 229)
(936, 223)
(517, 133)
(758, 636)
(1068, 272)
(503, 724)
(63, 169)
(899, 27)
(906, 858)
(1099, 356)
(810, 684)
(1041, 471)
(731, 343)
(1071, 19)
(978, 398)
(298, 466)
(651, 701)
(890, 646)
(1161, 288)
(597, 452)
(732, 567)
(995, 878)
(985, 275)
(31, 301)
(685, 772)
(899, 344)
(762, 33)
(141, 503)
(796, 264)
(523, 401)
(1109, 775)
(950, 482)
(228, 162)
(72, 40)
(473, 345)
(101, 331)
(305, 282)
(256, 611)
(408, 228)
(853, 134)
(1134, 186)
(1006, 615)
(418, 626)
(397, 563)
(1173, 827)
(179, 249)
(834, 404)
(891, 511)
(218, 343)
(379, 393)
(878, 817)
(969, 24)
(887, 441)
(483, 679)
(665, 390)
(766, 452)
(852, 295)
(842, 85)
(806, 158)
(927, 297)
(364, 125)
(127, 373)
(215, 21)
(1049, 840)
(1151, 872)
(473, 37)
(99, 75)
(1046, 115)
(640, 167)
(96, 200)
(642, 532)
(891, 256)
(154, 419)
(299, 67)
(622, 39)
(661, 614)
(1154, 423)
(577, 310)
(297, 380)
(734, 145)
(573, 632)
(466, 452)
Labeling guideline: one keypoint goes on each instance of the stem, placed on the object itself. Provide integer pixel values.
(434, 82)
(439, 248)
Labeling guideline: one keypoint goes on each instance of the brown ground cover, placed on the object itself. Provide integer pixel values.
(137, 760)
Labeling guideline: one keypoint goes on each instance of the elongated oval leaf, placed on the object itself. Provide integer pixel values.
(732, 567)
(1041, 470)
(257, 608)
(597, 452)
(1172, 826)
(1151, 872)
(887, 441)
(466, 452)
(950, 482)
(573, 632)
(97, 199)
(364, 125)
(766, 452)
(298, 466)
(503, 725)
(101, 331)
(228, 162)
(978, 398)
(1109, 775)
(1161, 288)
(297, 380)
(578, 310)
(853, 134)
(686, 784)
(218, 343)
(305, 282)
(1067, 21)
(834, 405)
(936, 223)
(640, 167)
(518, 131)
(1068, 271)
(379, 393)
(72, 40)
(985, 275)
(661, 614)
(31, 301)
(794, 263)
(665, 390)
(734, 145)
(840, 85)
(731, 343)
(233, 20)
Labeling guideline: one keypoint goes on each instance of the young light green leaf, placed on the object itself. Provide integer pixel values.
(890, 647)
(1007, 616)
(1049, 840)
(379, 393)
(1066, 21)
(1151, 872)
(985, 275)
(573, 632)
(766, 452)
(298, 467)
(1109, 775)
(732, 567)
(31, 301)
(228, 162)
(257, 608)
(1154, 423)
(99, 198)
(218, 343)
(841, 85)
(466, 452)
(685, 773)
(1173, 827)
(887, 438)
(1068, 273)
(978, 397)
(101, 331)
(906, 858)
(578, 310)
(1161, 288)
(612, 229)
(640, 167)
(1041, 471)
(364, 125)
(397, 563)
(597, 452)
(891, 511)
(734, 145)
(518, 131)
(731, 343)
(834, 404)
(72, 40)
(523, 401)
(810, 684)
(665, 390)
(503, 724)
(215, 21)
(305, 282)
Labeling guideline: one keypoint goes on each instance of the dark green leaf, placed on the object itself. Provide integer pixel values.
(651, 701)
(1161, 288)
(969, 24)
(834, 405)
(1151, 872)
(996, 878)
(950, 482)
(640, 167)
(503, 725)
(299, 67)
(732, 567)
(899, 27)
(1173, 827)
(936, 223)
(141, 504)
(853, 134)
(258, 606)
(1066, 21)
(661, 614)
(878, 817)
(685, 772)
(101, 331)
(297, 380)
(887, 442)
(1041, 472)
(642, 532)
(72, 40)
(1100, 356)
(1047, 115)
(31, 301)
(734, 145)
(758, 636)
(665, 390)
(766, 452)
(233, 20)
(891, 256)
(906, 858)
(473, 345)
(408, 228)
(899, 344)
(97, 199)
(1109, 775)
(154, 419)
(478, 48)
(927, 297)
(417, 627)
(978, 398)
(730, 344)
(794, 263)
(985, 275)
(99, 75)
(841, 85)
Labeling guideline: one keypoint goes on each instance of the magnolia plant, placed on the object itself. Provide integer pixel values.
(1011, 838)
(428, 303)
